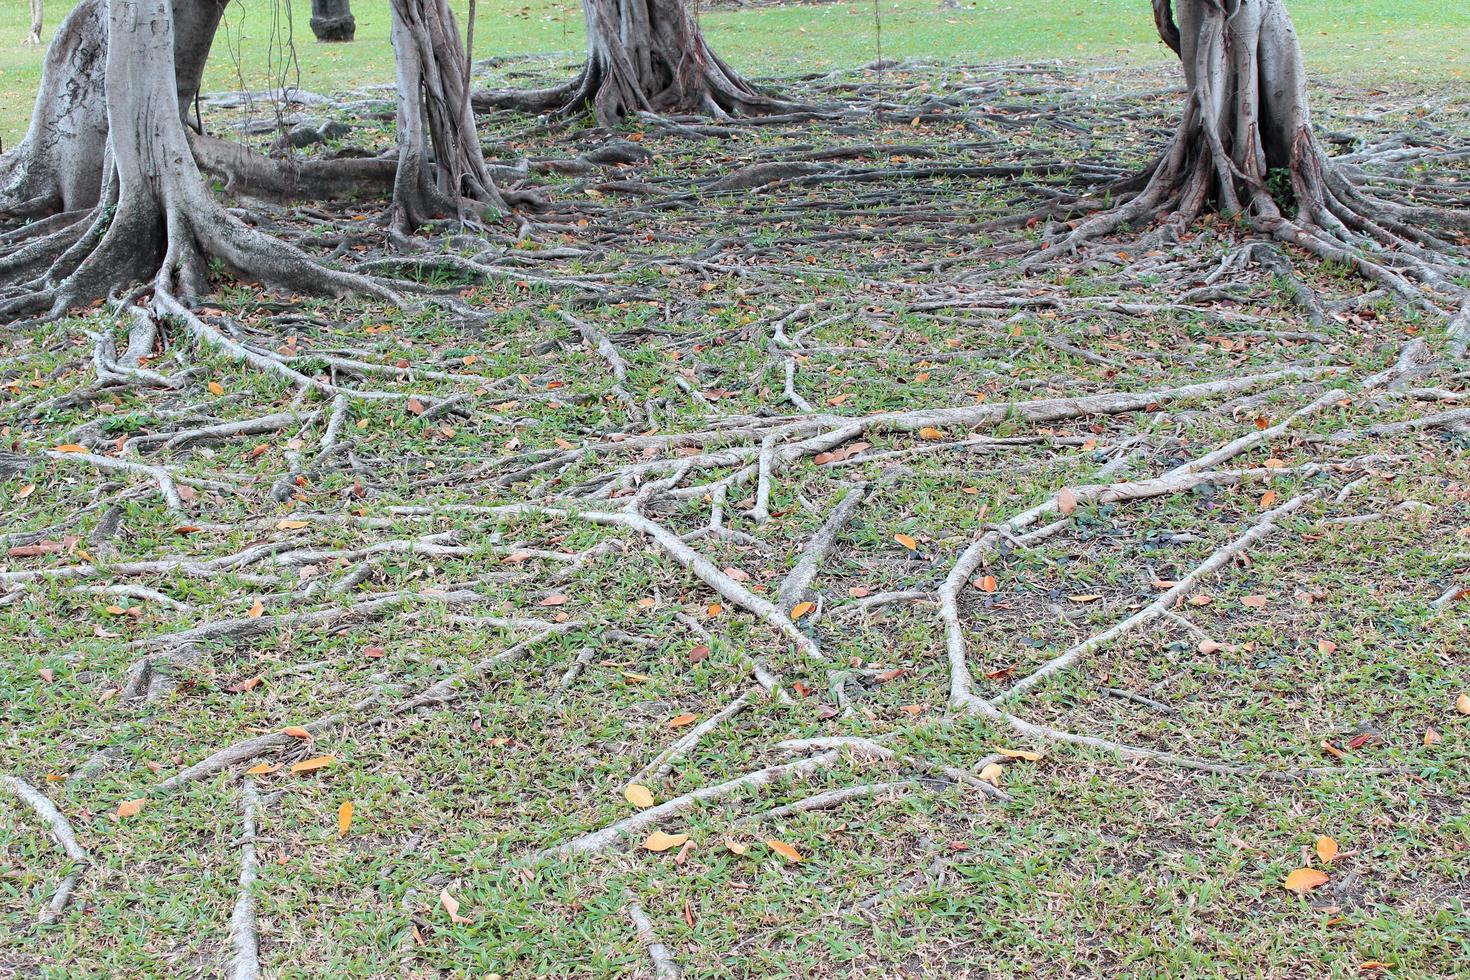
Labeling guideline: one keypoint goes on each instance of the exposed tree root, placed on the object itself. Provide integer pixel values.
(244, 937)
(60, 828)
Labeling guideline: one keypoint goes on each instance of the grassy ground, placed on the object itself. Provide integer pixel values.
(1098, 866)
(1425, 41)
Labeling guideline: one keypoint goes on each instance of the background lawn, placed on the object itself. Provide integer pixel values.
(1400, 40)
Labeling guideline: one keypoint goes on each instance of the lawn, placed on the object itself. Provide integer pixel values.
(1413, 41)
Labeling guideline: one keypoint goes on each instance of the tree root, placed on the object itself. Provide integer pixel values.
(60, 829)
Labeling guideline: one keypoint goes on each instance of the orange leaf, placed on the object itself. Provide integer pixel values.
(791, 854)
(344, 818)
(263, 769)
(1326, 849)
(256, 610)
(1066, 502)
(679, 721)
(638, 795)
(1462, 704)
(1091, 597)
(736, 847)
(658, 841)
(1020, 754)
(1267, 499)
(987, 583)
(71, 447)
(554, 600)
(991, 773)
(312, 765)
(930, 434)
(215, 388)
(1368, 965)
(802, 608)
(907, 541)
(1303, 880)
(296, 731)
(1431, 736)
(129, 808)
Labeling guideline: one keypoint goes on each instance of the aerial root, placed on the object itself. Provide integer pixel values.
(60, 829)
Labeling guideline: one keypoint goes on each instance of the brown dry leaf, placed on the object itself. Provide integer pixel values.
(1325, 647)
(71, 447)
(1020, 754)
(638, 795)
(791, 854)
(312, 765)
(1267, 499)
(1254, 601)
(1201, 600)
(296, 731)
(1431, 736)
(263, 769)
(738, 574)
(1368, 965)
(907, 541)
(1462, 704)
(633, 678)
(930, 434)
(736, 847)
(658, 841)
(1066, 502)
(25, 491)
(987, 583)
(1091, 597)
(344, 818)
(1332, 750)
(554, 600)
(991, 773)
(290, 525)
(1326, 849)
(129, 808)
(801, 609)
(215, 388)
(679, 721)
(256, 610)
(1303, 880)
(451, 905)
(698, 654)
(713, 610)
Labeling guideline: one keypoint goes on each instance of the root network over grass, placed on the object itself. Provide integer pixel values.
(755, 570)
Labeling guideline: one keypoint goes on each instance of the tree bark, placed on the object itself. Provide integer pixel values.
(644, 56)
(332, 20)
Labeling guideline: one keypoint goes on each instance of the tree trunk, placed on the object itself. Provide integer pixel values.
(434, 112)
(644, 56)
(38, 14)
(332, 20)
(1245, 148)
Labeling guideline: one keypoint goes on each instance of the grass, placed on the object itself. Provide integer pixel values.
(1400, 41)
(1098, 868)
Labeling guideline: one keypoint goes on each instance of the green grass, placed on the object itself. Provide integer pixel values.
(1426, 41)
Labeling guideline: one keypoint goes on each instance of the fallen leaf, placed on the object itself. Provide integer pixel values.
(1066, 502)
(987, 583)
(344, 818)
(1267, 499)
(638, 795)
(738, 574)
(1368, 965)
(296, 731)
(25, 491)
(679, 721)
(451, 905)
(256, 610)
(553, 600)
(1462, 704)
(1332, 750)
(1254, 601)
(1326, 849)
(991, 773)
(930, 434)
(802, 608)
(312, 765)
(658, 841)
(1431, 736)
(263, 769)
(791, 854)
(736, 847)
(1303, 880)
(215, 388)
(713, 610)
(1020, 754)
(907, 541)
(290, 525)
(71, 447)
(248, 684)
(699, 653)
(129, 808)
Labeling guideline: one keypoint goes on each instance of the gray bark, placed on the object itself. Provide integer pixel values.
(332, 20)
(38, 14)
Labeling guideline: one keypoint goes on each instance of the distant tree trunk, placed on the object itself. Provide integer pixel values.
(37, 15)
(644, 55)
(332, 20)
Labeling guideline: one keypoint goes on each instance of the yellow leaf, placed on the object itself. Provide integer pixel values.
(802, 608)
(312, 765)
(736, 847)
(215, 388)
(256, 610)
(344, 818)
(1091, 597)
(290, 525)
(1066, 502)
(659, 841)
(1303, 880)
(679, 721)
(907, 541)
(632, 678)
(1326, 849)
(930, 434)
(791, 854)
(1462, 704)
(1020, 754)
(296, 731)
(129, 808)
(991, 773)
(71, 447)
(638, 795)
(263, 769)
